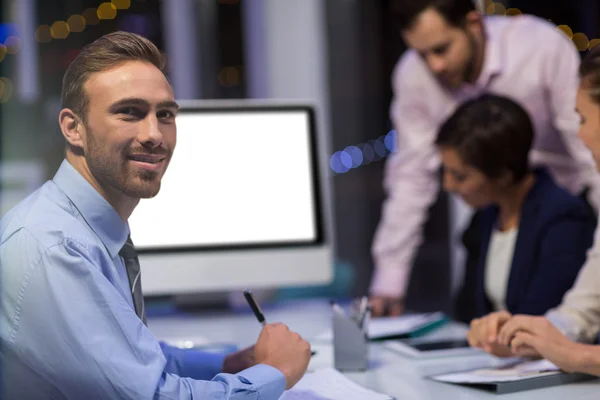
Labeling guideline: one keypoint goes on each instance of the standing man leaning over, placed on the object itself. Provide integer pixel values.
(72, 321)
(455, 54)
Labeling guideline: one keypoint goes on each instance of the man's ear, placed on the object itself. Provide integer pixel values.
(474, 22)
(72, 128)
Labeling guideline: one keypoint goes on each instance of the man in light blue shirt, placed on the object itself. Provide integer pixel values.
(68, 323)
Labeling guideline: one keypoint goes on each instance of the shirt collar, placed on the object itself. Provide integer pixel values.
(101, 217)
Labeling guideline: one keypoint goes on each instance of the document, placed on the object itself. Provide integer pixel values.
(510, 373)
(329, 384)
(389, 327)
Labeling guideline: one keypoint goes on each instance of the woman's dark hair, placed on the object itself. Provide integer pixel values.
(491, 133)
(589, 71)
(453, 11)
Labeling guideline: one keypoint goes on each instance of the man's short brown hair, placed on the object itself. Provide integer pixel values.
(103, 54)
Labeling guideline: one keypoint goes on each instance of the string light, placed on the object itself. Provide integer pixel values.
(580, 40)
(78, 22)
(363, 154)
(6, 89)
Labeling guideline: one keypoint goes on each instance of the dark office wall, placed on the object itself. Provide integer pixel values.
(364, 45)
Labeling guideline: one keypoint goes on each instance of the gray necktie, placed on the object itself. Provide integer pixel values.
(132, 265)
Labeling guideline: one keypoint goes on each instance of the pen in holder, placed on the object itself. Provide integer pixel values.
(350, 338)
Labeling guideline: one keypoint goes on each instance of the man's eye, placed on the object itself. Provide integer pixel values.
(165, 114)
(440, 50)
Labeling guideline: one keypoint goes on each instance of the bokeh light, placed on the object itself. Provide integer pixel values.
(566, 30)
(121, 4)
(593, 43)
(12, 44)
(91, 16)
(43, 34)
(335, 163)
(60, 30)
(6, 89)
(390, 141)
(581, 41)
(76, 23)
(346, 160)
(496, 8)
(512, 12)
(106, 11)
(355, 154)
(229, 76)
(368, 153)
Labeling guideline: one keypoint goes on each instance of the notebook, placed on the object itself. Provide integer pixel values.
(398, 327)
(329, 384)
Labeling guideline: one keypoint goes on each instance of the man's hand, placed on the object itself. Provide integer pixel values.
(239, 361)
(536, 336)
(386, 306)
(284, 350)
(483, 334)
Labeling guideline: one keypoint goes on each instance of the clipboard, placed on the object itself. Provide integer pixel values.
(495, 380)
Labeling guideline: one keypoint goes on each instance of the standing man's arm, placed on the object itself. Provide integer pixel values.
(411, 185)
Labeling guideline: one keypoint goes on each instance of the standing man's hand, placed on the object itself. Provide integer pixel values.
(382, 306)
(280, 348)
(239, 361)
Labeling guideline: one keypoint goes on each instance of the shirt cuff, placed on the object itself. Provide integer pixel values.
(269, 381)
(389, 281)
(566, 326)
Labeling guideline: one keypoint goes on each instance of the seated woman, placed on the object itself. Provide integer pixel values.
(556, 335)
(535, 234)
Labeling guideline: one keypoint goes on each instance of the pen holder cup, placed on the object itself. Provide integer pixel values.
(349, 344)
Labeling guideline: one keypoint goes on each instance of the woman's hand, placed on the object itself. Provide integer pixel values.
(536, 336)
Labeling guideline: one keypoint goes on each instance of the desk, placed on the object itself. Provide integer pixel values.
(391, 372)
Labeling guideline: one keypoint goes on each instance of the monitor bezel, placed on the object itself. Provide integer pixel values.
(318, 200)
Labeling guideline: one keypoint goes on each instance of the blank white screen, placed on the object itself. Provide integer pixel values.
(236, 178)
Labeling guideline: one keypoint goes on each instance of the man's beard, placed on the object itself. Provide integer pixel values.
(466, 75)
(472, 61)
(112, 169)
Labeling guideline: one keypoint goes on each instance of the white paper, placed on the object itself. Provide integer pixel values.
(329, 384)
(511, 373)
(392, 326)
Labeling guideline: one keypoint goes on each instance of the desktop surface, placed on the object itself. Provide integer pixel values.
(389, 372)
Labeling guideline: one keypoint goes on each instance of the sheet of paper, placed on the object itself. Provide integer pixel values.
(392, 326)
(515, 372)
(329, 384)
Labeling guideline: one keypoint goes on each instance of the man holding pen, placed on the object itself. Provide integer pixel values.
(72, 321)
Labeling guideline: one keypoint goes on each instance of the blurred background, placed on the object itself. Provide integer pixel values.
(337, 53)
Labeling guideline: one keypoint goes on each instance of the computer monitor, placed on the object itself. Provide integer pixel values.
(241, 204)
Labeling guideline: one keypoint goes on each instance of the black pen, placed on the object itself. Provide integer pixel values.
(255, 307)
(258, 312)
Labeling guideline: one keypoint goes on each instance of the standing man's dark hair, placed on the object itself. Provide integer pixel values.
(454, 11)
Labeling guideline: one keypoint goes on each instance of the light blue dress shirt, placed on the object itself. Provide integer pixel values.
(68, 329)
